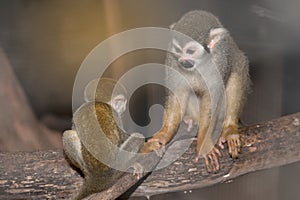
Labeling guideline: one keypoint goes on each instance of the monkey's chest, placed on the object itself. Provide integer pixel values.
(197, 84)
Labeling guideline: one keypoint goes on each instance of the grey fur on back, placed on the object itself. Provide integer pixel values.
(197, 25)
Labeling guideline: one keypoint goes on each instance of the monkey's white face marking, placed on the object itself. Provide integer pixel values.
(176, 48)
(189, 54)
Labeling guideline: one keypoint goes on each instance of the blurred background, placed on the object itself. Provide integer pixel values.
(46, 41)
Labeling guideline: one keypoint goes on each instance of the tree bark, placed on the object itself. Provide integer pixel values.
(46, 174)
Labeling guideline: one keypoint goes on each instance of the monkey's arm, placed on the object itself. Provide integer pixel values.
(205, 145)
(204, 121)
(126, 156)
(235, 94)
(172, 120)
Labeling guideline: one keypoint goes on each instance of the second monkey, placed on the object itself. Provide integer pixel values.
(212, 39)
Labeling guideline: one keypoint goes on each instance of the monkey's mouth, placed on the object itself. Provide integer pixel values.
(187, 63)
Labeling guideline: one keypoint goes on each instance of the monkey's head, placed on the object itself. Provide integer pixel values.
(191, 54)
(199, 26)
(188, 54)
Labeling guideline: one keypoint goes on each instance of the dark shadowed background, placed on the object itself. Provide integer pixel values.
(46, 41)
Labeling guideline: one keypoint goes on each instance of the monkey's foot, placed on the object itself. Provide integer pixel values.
(232, 137)
(211, 160)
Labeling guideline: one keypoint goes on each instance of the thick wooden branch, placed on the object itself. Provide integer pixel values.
(41, 175)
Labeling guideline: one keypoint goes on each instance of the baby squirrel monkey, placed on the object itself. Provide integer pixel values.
(216, 42)
(83, 149)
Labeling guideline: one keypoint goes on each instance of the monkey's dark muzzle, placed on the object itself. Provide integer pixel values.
(187, 63)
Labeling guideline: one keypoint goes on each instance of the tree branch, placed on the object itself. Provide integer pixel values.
(40, 175)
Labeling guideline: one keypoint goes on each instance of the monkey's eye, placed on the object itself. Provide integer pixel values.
(190, 51)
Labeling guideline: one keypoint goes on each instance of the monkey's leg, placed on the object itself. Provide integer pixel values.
(235, 92)
(212, 157)
(72, 147)
(171, 122)
(94, 182)
(133, 144)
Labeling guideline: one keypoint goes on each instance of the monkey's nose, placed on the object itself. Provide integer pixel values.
(187, 63)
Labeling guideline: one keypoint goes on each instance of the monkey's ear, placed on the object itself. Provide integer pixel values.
(214, 36)
(118, 103)
(172, 25)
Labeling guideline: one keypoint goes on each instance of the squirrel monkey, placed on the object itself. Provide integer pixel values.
(87, 120)
(211, 41)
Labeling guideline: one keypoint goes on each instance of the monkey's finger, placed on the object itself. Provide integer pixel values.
(138, 170)
(213, 159)
(221, 142)
(229, 142)
(233, 151)
(217, 151)
(160, 152)
(196, 159)
(239, 145)
(161, 141)
(207, 164)
(236, 146)
(153, 140)
(215, 162)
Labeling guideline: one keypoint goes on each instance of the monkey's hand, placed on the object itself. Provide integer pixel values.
(231, 135)
(138, 170)
(154, 145)
(211, 160)
(158, 142)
